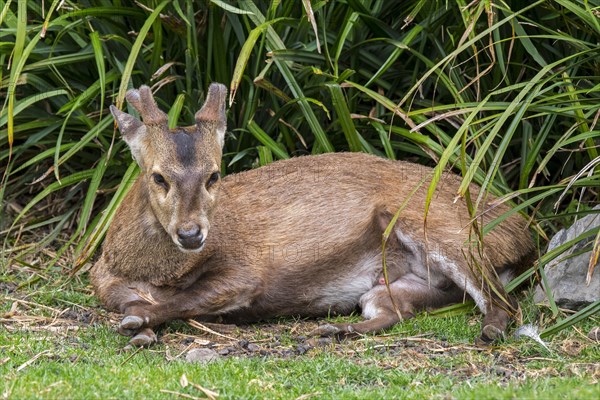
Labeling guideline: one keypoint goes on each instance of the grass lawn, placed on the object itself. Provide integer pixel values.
(57, 342)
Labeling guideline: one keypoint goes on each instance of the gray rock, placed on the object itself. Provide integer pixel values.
(202, 356)
(566, 277)
(253, 347)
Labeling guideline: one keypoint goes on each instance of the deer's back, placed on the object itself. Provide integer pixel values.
(322, 198)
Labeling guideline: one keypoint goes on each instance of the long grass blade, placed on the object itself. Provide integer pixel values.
(344, 117)
(267, 141)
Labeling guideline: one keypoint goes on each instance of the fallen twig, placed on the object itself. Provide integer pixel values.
(31, 303)
(187, 396)
(32, 360)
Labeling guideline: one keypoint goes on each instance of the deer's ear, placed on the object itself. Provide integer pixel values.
(213, 110)
(133, 132)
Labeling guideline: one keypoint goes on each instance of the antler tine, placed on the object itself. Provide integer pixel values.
(143, 101)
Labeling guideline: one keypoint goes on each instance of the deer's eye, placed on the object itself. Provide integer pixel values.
(214, 177)
(160, 180)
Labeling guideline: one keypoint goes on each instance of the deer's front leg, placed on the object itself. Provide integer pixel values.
(121, 294)
(210, 297)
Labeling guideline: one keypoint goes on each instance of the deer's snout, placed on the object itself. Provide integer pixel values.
(190, 237)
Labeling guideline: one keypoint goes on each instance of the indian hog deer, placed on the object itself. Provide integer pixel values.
(297, 237)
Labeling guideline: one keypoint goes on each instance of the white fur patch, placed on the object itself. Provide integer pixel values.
(221, 136)
(462, 280)
(368, 304)
(134, 141)
(345, 292)
(506, 276)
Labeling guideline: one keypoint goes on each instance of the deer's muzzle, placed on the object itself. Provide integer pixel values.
(190, 237)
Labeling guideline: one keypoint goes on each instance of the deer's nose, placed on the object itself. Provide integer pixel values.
(190, 237)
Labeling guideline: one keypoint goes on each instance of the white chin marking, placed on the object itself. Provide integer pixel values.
(197, 250)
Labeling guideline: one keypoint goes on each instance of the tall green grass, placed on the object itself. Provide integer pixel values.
(505, 94)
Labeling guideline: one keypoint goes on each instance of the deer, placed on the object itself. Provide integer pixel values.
(297, 237)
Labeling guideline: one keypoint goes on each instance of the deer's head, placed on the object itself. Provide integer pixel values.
(181, 166)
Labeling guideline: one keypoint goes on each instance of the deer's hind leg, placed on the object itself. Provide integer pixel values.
(480, 282)
(444, 264)
(428, 277)
(383, 308)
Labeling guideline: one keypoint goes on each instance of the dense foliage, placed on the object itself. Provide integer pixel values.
(505, 93)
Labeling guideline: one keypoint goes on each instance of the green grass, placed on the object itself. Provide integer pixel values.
(43, 356)
(325, 376)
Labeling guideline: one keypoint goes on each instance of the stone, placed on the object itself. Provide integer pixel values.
(566, 275)
(224, 352)
(253, 347)
(201, 355)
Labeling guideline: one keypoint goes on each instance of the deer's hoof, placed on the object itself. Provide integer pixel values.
(130, 324)
(326, 330)
(490, 334)
(143, 339)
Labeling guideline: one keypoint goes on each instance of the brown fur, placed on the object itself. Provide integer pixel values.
(297, 237)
